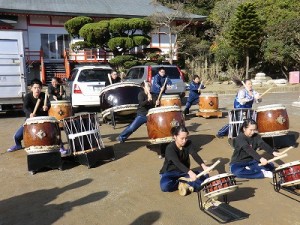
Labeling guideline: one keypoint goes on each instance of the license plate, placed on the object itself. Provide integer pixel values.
(97, 89)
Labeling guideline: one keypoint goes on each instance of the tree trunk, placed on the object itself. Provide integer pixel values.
(247, 65)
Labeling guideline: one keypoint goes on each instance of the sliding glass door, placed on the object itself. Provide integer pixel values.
(53, 45)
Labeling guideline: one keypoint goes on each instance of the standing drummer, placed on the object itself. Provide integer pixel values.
(244, 99)
(30, 101)
(145, 103)
(158, 84)
(195, 91)
(55, 90)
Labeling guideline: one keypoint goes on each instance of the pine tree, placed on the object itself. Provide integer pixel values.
(247, 32)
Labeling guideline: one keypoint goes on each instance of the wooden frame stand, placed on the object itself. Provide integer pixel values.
(210, 114)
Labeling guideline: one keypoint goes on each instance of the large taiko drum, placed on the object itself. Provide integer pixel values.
(208, 102)
(83, 133)
(289, 173)
(220, 184)
(60, 109)
(122, 98)
(272, 120)
(170, 100)
(160, 121)
(41, 135)
(236, 119)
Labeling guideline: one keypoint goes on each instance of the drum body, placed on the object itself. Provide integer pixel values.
(208, 102)
(60, 110)
(122, 98)
(289, 173)
(236, 119)
(170, 100)
(160, 121)
(41, 135)
(272, 120)
(220, 184)
(83, 133)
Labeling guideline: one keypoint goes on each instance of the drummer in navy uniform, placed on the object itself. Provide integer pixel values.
(158, 83)
(30, 101)
(114, 78)
(55, 90)
(145, 103)
(244, 99)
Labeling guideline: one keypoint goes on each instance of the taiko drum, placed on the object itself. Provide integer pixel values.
(170, 100)
(161, 120)
(272, 120)
(60, 110)
(208, 102)
(41, 134)
(289, 173)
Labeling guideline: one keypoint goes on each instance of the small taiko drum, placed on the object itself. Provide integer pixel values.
(60, 110)
(170, 100)
(208, 102)
(121, 98)
(289, 173)
(220, 184)
(160, 121)
(272, 120)
(41, 135)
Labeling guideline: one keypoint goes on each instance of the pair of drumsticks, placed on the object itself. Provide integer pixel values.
(39, 101)
(209, 169)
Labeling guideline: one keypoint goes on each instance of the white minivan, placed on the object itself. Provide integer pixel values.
(85, 83)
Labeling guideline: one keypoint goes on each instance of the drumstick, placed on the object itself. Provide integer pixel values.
(162, 89)
(109, 78)
(60, 90)
(46, 96)
(36, 106)
(275, 158)
(265, 92)
(203, 172)
(286, 150)
(199, 89)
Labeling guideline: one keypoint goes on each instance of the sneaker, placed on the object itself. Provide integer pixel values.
(161, 156)
(63, 151)
(120, 140)
(267, 174)
(14, 148)
(219, 136)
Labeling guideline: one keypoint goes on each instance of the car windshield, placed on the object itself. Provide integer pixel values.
(171, 72)
(93, 75)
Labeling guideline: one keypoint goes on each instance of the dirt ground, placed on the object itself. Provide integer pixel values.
(126, 190)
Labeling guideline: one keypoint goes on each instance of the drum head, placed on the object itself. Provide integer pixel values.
(117, 85)
(270, 107)
(41, 119)
(208, 95)
(286, 165)
(163, 109)
(61, 102)
(216, 177)
(170, 97)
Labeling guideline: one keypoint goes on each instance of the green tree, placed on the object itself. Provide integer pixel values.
(74, 25)
(246, 32)
(118, 35)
